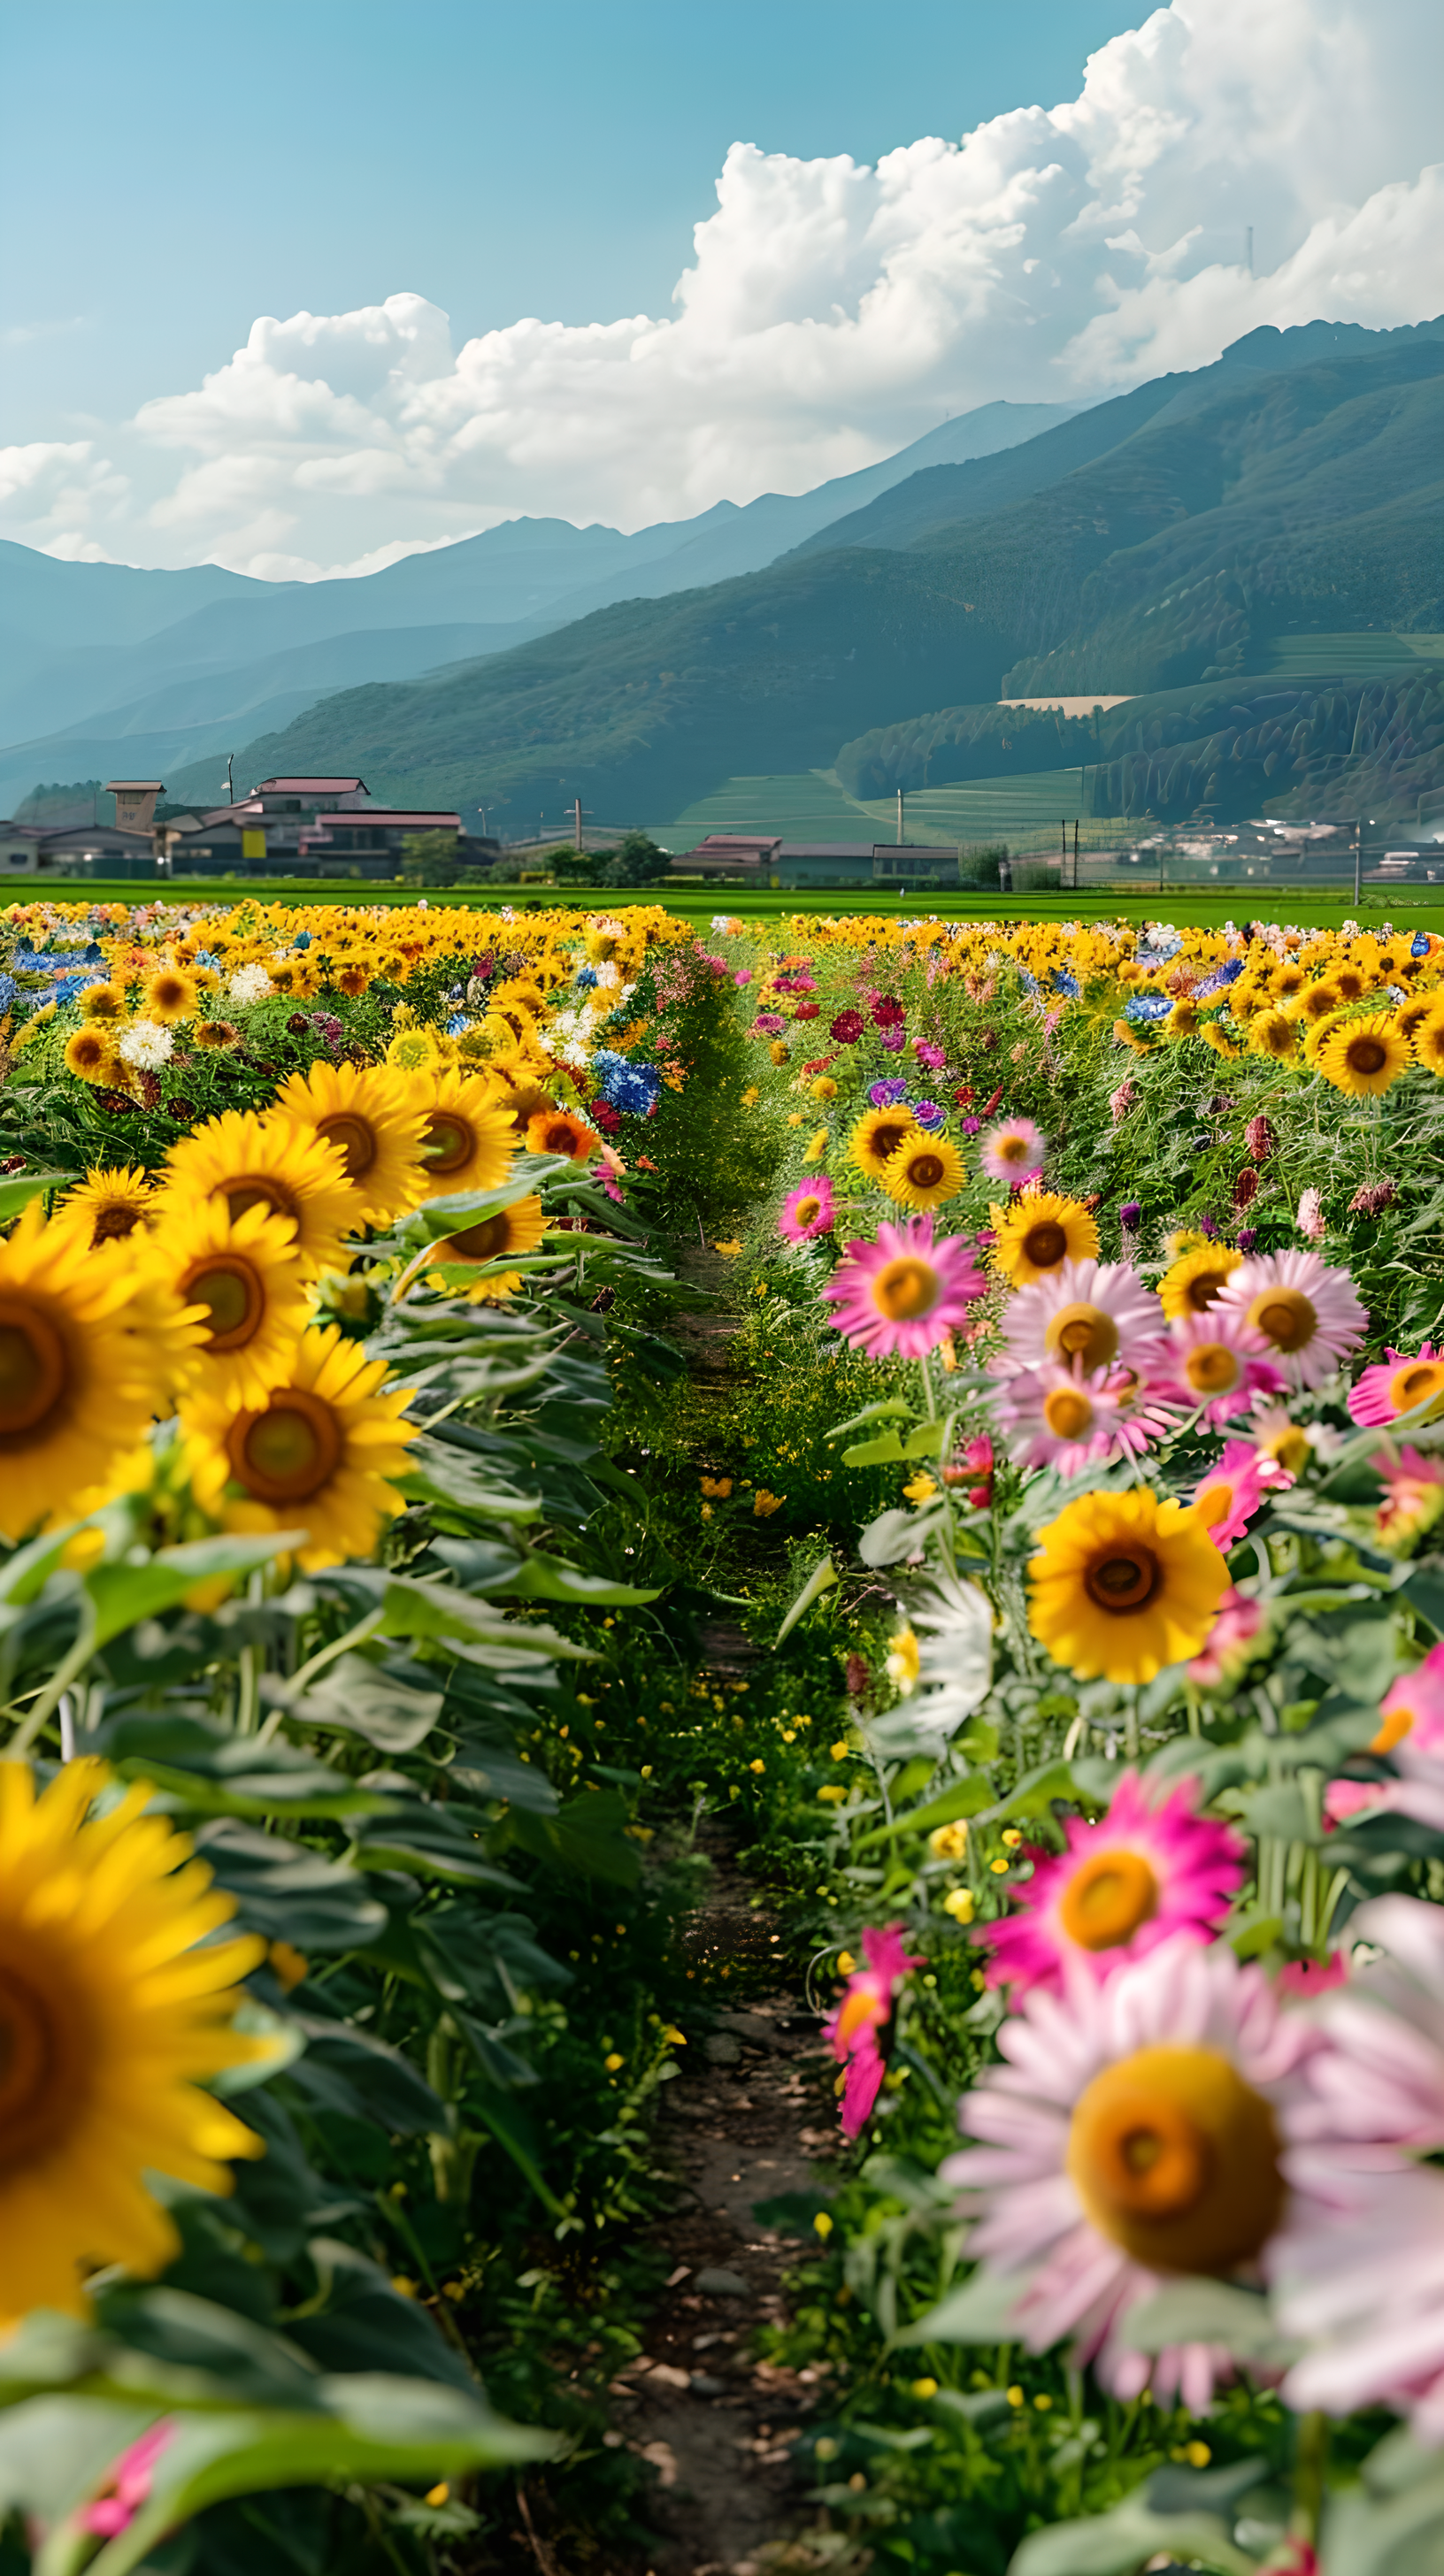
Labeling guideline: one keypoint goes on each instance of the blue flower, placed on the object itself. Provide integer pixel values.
(1064, 982)
(455, 1025)
(302, 939)
(94, 956)
(633, 1088)
(1219, 981)
(7, 994)
(1419, 944)
(1030, 982)
(1147, 1006)
(585, 979)
(930, 1116)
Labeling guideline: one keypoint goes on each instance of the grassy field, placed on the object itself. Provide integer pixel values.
(1423, 908)
(1322, 657)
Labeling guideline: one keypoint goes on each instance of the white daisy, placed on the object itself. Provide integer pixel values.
(942, 1663)
(1307, 1313)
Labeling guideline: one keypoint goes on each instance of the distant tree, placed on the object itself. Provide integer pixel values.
(430, 858)
(572, 867)
(636, 860)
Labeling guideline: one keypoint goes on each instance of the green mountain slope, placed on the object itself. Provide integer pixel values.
(1234, 508)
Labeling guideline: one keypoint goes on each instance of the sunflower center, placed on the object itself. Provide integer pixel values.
(480, 1242)
(1288, 1318)
(560, 1137)
(1289, 1448)
(1205, 1289)
(33, 1369)
(1045, 1244)
(258, 1189)
(114, 1223)
(887, 1136)
(1108, 1898)
(286, 1454)
(39, 2074)
(1125, 1579)
(230, 1289)
(1350, 985)
(1175, 2158)
(1211, 1368)
(446, 1144)
(905, 1290)
(925, 1171)
(1366, 1056)
(1411, 1386)
(1083, 1332)
(1067, 1412)
(354, 1139)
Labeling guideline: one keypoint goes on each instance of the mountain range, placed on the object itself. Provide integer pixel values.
(106, 668)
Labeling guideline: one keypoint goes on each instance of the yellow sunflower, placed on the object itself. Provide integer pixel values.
(316, 1456)
(102, 1002)
(216, 1034)
(1429, 1039)
(1274, 1033)
(268, 1162)
(114, 2006)
(1122, 1585)
(1214, 1036)
(85, 1364)
(1411, 1016)
(1318, 1001)
(1366, 1055)
(923, 1173)
(503, 1237)
(1185, 1019)
(1038, 1233)
(560, 1131)
(373, 1118)
(467, 1137)
(1197, 1279)
(170, 995)
(90, 1054)
(242, 1275)
(880, 1134)
(116, 1203)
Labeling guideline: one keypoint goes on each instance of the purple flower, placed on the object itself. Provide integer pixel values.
(1246, 1238)
(887, 1094)
(972, 1126)
(1130, 1215)
(770, 1023)
(1207, 1226)
(930, 1116)
(932, 1056)
(893, 1039)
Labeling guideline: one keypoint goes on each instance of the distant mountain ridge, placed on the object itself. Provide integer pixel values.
(1154, 543)
(104, 666)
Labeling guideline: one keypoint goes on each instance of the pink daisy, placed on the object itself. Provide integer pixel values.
(1306, 1312)
(1411, 1734)
(1230, 1641)
(1056, 1417)
(1132, 2136)
(1099, 1313)
(1149, 1870)
(853, 2029)
(896, 1298)
(1358, 2272)
(1219, 1364)
(1231, 1490)
(1013, 1150)
(1395, 1385)
(1413, 1496)
(807, 1211)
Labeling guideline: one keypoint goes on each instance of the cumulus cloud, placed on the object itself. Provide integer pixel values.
(830, 312)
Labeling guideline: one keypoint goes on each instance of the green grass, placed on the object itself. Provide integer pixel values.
(1362, 652)
(810, 805)
(1015, 810)
(805, 805)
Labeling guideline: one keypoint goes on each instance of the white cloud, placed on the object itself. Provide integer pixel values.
(830, 312)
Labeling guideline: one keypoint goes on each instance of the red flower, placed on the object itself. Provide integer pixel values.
(847, 1028)
(887, 1011)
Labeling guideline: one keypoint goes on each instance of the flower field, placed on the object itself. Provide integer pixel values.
(514, 1421)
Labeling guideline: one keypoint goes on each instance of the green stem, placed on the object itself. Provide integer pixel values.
(1311, 2459)
(66, 1671)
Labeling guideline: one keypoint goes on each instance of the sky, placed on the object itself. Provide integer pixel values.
(307, 284)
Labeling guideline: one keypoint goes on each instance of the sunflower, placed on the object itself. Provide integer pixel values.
(1122, 1585)
(116, 1203)
(1197, 1279)
(1185, 1018)
(1350, 982)
(315, 1456)
(170, 995)
(1410, 1017)
(85, 1362)
(414, 1051)
(923, 1173)
(560, 1131)
(90, 1054)
(1273, 1033)
(522, 1101)
(374, 1120)
(1038, 1233)
(879, 1135)
(242, 1275)
(268, 1162)
(114, 2004)
(1366, 1055)
(1318, 1001)
(1213, 1036)
(503, 1237)
(467, 1139)
(216, 1034)
(103, 1002)
(1429, 1039)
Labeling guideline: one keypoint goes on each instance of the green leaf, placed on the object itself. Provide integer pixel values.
(1391, 2525)
(889, 1409)
(413, 1607)
(1205, 2311)
(123, 1594)
(585, 1837)
(874, 1453)
(19, 1188)
(550, 1578)
(820, 1580)
(982, 2310)
(925, 1442)
(1424, 1591)
(966, 1798)
(1127, 2539)
(288, 1893)
(218, 1774)
(361, 1698)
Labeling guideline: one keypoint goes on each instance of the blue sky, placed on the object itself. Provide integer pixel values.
(175, 167)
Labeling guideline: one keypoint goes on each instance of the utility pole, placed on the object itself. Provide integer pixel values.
(1358, 861)
(577, 812)
(230, 782)
(899, 818)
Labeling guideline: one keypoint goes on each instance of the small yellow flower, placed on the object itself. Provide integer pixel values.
(751, 1096)
(756, 1766)
(613, 2062)
(765, 1504)
(833, 1794)
(706, 1511)
(949, 1842)
(1012, 1837)
(675, 2038)
(959, 1903)
(1042, 2401)
(846, 1963)
(904, 1662)
(1000, 1866)
(404, 2288)
(716, 1488)
(437, 2495)
(920, 1488)
(794, 1118)
(824, 1088)
(925, 2388)
(817, 1146)
(729, 1250)
(290, 1967)
(822, 2224)
(835, 1752)
(1015, 2397)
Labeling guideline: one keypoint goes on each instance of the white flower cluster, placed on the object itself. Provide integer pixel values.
(146, 1045)
(250, 984)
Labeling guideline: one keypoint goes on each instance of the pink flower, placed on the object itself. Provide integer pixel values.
(1396, 1384)
(1308, 1312)
(1310, 1220)
(934, 1057)
(1229, 1643)
(1259, 1137)
(807, 1211)
(1059, 1417)
(1230, 1492)
(1219, 1364)
(1185, 2052)
(1123, 1099)
(1099, 1313)
(1012, 1151)
(1413, 1709)
(1413, 1496)
(853, 2029)
(1308, 1977)
(1152, 1869)
(127, 2486)
(896, 1298)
